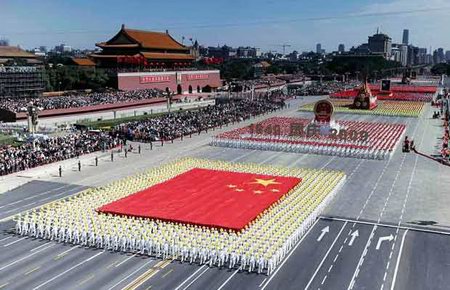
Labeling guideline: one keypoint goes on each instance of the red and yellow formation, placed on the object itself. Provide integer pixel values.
(385, 108)
(260, 246)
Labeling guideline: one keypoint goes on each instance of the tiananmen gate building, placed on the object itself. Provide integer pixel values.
(148, 59)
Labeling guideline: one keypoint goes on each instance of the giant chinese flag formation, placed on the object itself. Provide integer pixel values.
(215, 198)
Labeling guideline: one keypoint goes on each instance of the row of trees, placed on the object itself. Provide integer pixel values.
(61, 78)
(441, 69)
(370, 66)
(69, 77)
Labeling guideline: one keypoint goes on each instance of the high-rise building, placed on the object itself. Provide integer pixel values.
(400, 53)
(319, 48)
(381, 44)
(439, 56)
(405, 36)
(413, 55)
(447, 55)
(422, 56)
(341, 48)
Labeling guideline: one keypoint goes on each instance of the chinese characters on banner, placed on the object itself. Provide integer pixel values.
(309, 131)
(193, 77)
(154, 79)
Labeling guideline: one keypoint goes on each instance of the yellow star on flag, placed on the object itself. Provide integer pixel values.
(274, 190)
(258, 192)
(265, 182)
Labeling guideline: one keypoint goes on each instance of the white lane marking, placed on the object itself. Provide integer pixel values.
(325, 257)
(354, 235)
(16, 241)
(229, 278)
(125, 260)
(262, 282)
(4, 239)
(323, 281)
(65, 252)
(382, 239)
(189, 278)
(34, 249)
(290, 254)
(68, 270)
(196, 278)
(323, 232)
(20, 207)
(23, 258)
(131, 274)
(242, 156)
(408, 191)
(369, 241)
(361, 259)
(398, 260)
(385, 225)
(66, 192)
(328, 163)
(34, 196)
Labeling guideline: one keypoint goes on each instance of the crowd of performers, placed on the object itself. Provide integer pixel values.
(182, 123)
(52, 149)
(260, 246)
(353, 139)
(79, 100)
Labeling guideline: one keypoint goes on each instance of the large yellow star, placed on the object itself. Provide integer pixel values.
(265, 182)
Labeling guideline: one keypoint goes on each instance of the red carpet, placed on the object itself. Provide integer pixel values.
(213, 198)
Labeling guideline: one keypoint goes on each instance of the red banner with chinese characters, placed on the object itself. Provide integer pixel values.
(154, 79)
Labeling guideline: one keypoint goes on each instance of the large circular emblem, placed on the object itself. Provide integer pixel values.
(323, 110)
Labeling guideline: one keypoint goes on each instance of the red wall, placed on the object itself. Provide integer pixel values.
(163, 80)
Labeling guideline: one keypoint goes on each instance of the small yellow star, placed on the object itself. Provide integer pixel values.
(239, 189)
(265, 182)
(231, 186)
(274, 190)
(258, 191)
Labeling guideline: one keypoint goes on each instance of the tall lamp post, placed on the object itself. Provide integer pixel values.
(32, 112)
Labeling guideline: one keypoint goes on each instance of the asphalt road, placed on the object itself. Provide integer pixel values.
(368, 240)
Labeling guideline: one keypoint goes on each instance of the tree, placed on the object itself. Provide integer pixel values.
(367, 65)
(440, 69)
(75, 78)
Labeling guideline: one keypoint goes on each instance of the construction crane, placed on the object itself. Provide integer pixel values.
(284, 45)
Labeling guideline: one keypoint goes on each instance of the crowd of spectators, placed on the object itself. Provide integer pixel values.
(52, 149)
(324, 88)
(47, 150)
(445, 150)
(79, 100)
(178, 124)
(264, 82)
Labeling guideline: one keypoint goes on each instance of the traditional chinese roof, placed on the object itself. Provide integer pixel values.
(14, 52)
(133, 38)
(176, 56)
(83, 61)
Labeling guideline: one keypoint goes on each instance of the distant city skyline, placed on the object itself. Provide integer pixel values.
(265, 24)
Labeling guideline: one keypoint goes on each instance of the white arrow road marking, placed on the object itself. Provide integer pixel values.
(382, 239)
(325, 230)
(354, 235)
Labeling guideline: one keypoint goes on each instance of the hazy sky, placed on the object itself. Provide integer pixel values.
(260, 23)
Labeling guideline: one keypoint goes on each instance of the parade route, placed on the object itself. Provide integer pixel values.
(368, 237)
